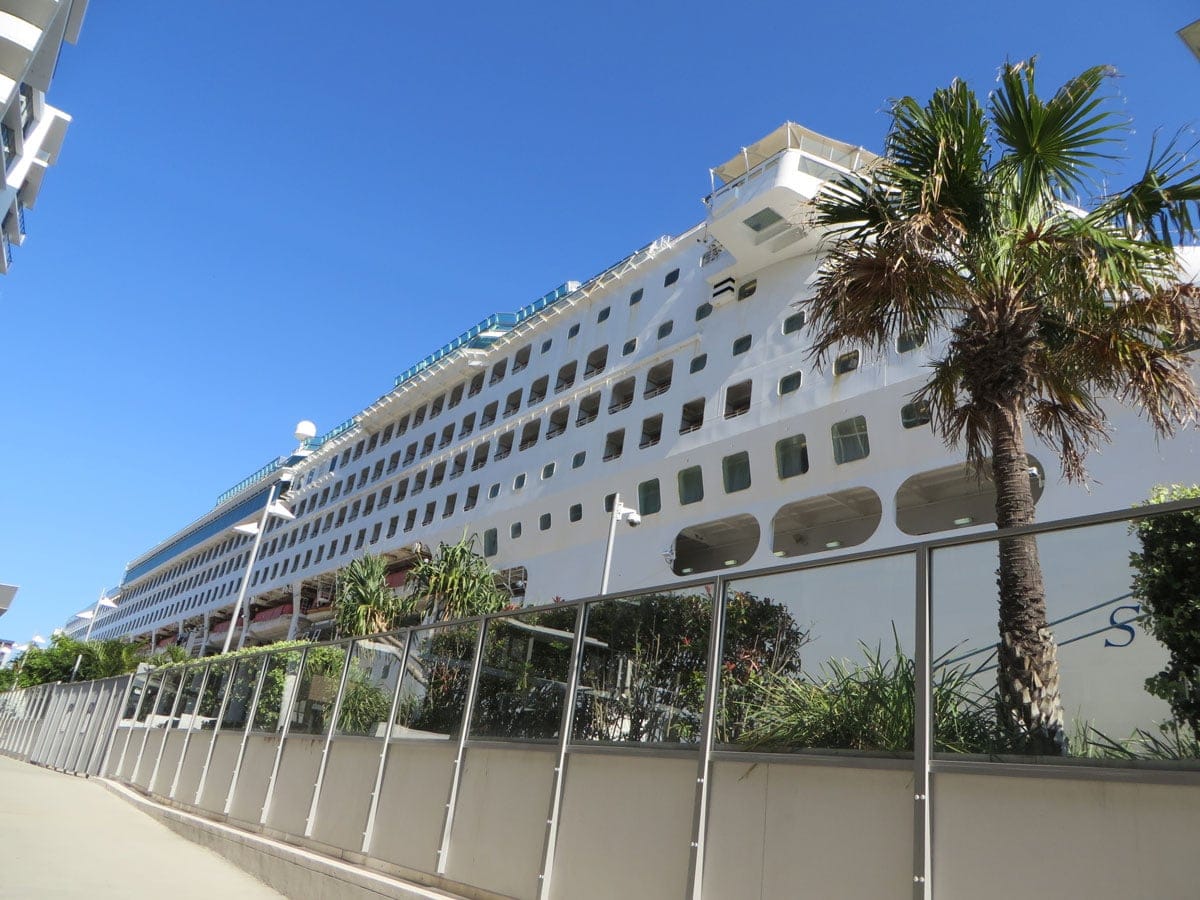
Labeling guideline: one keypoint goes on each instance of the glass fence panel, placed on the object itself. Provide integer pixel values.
(370, 685)
(820, 659)
(279, 684)
(150, 696)
(318, 689)
(642, 676)
(166, 698)
(241, 691)
(207, 710)
(135, 697)
(437, 675)
(523, 677)
(1113, 675)
(193, 678)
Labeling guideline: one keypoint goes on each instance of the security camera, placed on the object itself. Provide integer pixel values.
(634, 519)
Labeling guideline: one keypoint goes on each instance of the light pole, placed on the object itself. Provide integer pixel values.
(91, 615)
(619, 512)
(272, 508)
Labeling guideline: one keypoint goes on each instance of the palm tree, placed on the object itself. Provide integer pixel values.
(969, 229)
(364, 603)
(454, 583)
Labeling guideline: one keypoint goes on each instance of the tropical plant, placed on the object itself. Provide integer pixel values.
(454, 583)
(964, 232)
(1167, 582)
(869, 707)
(364, 603)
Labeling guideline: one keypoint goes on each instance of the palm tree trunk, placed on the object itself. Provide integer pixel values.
(1027, 655)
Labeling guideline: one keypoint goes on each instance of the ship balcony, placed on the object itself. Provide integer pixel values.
(272, 624)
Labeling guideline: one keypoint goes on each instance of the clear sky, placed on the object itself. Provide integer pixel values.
(264, 212)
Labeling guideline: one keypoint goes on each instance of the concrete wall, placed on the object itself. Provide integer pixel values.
(253, 777)
(625, 827)
(839, 832)
(500, 824)
(168, 763)
(346, 793)
(294, 785)
(190, 768)
(412, 803)
(993, 834)
(220, 771)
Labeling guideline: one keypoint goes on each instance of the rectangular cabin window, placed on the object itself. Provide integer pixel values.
(614, 444)
(602, 316)
(521, 359)
(737, 399)
(622, 395)
(393, 463)
(558, 422)
(692, 416)
(402, 425)
(537, 390)
(494, 491)
(566, 377)
(735, 469)
(847, 362)
(850, 441)
(447, 436)
(691, 485)
(790, 383)
(436, 407)
(385, 496)
(438, 476)
(791, 456)
(430, 512)
(490, 543)
(596, 361)
(529, 434)
(459, 466)
(476, 385)
(658, 379)
(651, 431)
(427, 445)
(375, 532)
(746, 291)
(472, 497)
(401, 489)
(579, 459)
(448, 506)
(393, 527)
(575, 513)
(419, 482)
(547, 344)
(358, 449)
(544, 522)
(589, 408)
(456, 395)
(703, 311)
(636, 297)
(468, 425)
(915, 414)
(665, 328)
(629, 347)
(410, 453)
(418, 418)
(512, 404)
(489, 414)
(514, 530)
(741, 345)
(504, 445)
(410, 520)
(698, 363)
(573, 331)
(372, 443)
(547, 471)
(498, 371)
(387, 434)
(672, 277)
(377, 471)
(909, 341)
(649, 497)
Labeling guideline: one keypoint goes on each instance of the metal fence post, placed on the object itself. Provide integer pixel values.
(251, 712)
(81, 725)
(116, 725)
(187, 734)
(566, 727)
(287, 705)
(922, 730)
(162, 747)
(45, 731)
(137, 766)
(226, 690)
(369, 829)
(712, 692)
(468, 710)
(137, 710)
(311, 822)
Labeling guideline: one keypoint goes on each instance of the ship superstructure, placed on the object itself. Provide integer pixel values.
(679, 378)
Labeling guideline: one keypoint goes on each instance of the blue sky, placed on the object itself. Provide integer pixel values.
(263, 212)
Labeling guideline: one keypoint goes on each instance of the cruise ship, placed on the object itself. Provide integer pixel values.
(678, 378)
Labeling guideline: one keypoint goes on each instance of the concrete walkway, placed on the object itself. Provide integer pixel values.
(67, 837)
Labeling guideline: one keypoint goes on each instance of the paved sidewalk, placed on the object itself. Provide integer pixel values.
(67, 837)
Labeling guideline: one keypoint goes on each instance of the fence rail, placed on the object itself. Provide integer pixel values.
(831, 723)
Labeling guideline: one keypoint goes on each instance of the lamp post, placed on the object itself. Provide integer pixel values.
(272, 508)
(619, 512)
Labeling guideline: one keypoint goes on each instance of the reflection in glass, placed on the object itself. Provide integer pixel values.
(642, 677)
(820, 659)
(437, 675)
(135, 697)
(1100, 585)
(192, 679)
(370, 684)
(241, 691)
(214, 692)
(150, 696)
(318, 689)
(523, 679)
(166, 698)
(279, 684)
